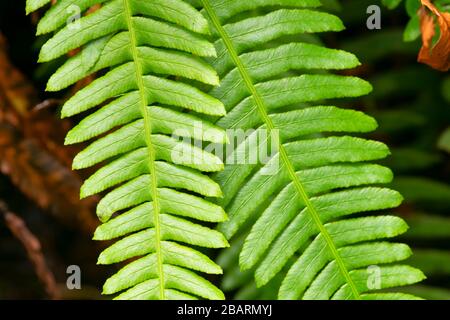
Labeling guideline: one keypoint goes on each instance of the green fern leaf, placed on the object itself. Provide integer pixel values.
(314, 183)
(152, 55)
(33, 5)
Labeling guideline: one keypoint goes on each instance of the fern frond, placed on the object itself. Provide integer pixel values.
(319, 181)
(151, 55)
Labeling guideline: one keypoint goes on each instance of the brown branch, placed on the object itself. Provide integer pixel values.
(32, 151)
(33, 248)
(46, 104)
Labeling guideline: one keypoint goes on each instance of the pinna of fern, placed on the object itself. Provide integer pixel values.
(268, 84)
(152, 55)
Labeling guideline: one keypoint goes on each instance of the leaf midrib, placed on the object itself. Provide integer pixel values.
(283, 154)
(148, 138)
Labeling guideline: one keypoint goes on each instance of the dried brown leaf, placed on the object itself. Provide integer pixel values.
(436, 56)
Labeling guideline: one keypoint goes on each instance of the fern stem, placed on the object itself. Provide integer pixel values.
(151, 151)
(283, 154)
